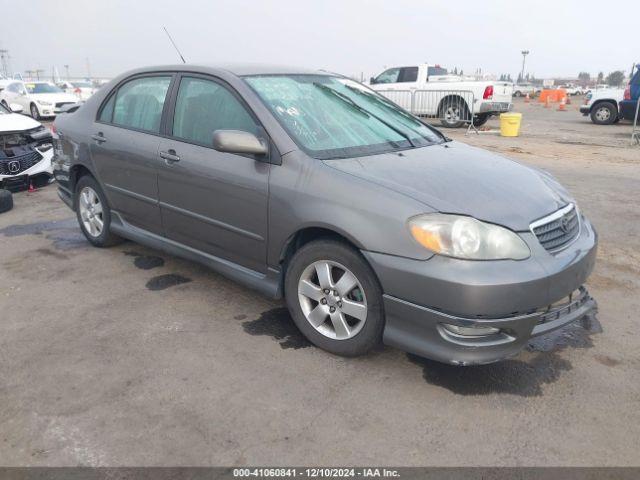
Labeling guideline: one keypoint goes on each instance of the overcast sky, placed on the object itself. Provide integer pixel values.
(347, 36)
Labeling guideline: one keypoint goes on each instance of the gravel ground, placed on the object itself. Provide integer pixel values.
(127, 356)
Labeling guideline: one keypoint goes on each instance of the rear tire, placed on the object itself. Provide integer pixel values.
(348, 320)
(604, 113)
(480, 120)
(6, 200)
(93, 213)
(453, 112)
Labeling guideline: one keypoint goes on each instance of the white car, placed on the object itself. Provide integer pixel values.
(428, 90)
(82, 90)
(602, 105)
(521, 89)
(26, 150)
(40, 99)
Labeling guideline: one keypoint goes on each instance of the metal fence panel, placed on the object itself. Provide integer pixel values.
(454, 108)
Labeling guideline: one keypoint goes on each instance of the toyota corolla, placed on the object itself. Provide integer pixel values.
(306, 185)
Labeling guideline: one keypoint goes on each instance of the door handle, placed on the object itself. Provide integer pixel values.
(99, 137)
(170, 156)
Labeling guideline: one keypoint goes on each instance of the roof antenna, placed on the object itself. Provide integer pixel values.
(174, 44)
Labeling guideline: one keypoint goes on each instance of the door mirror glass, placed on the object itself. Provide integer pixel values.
(16, 108)
(237, 141)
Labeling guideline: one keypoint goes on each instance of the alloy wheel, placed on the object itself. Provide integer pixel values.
(603, 114)
(332, 300)
(91, 211)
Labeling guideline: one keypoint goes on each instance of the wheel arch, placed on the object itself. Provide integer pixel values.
(452, 97)
(604, 100)
(308, 234)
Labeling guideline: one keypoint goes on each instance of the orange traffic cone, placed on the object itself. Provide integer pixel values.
(546, 102)
(563, 105)
(527, 98)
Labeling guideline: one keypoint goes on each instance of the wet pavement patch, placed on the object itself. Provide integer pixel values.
(607, 360)
(514, 377)
(575, 335)
(162, 282)
(65, 234)
(277, 323)
(145, 262)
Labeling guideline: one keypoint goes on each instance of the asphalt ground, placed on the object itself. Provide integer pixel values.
(128, 356)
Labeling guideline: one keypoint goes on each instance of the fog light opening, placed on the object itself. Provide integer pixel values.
(469, 332)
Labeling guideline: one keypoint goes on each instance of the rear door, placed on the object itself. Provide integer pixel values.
(212, 201)
(124, 148)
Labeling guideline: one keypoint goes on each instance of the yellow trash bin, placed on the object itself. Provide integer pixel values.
(510, 124)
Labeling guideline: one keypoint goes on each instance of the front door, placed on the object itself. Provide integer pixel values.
(212, 201)
(124, 149)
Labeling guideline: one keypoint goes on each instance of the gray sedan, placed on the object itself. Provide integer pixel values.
(309, 186)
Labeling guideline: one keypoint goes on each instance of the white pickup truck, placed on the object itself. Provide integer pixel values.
(428, 90)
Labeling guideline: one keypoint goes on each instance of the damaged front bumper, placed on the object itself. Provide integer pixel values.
(24, 156)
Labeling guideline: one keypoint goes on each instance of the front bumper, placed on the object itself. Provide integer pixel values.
(512, 296)
(585, 109)
(17, 180)
(628, 109)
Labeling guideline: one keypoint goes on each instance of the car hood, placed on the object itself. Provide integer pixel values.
(16, 123)
(459, 179)
(54, 97)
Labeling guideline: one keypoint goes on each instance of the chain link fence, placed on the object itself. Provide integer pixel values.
(454, 108)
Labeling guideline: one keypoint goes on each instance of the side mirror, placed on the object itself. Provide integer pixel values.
(237, 141)
(16, 108)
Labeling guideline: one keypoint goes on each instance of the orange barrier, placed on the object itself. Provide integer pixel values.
(554, 96)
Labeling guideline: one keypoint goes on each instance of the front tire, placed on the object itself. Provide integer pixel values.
(334, 298)
(604, 113)
(93, 213)
(34, 111)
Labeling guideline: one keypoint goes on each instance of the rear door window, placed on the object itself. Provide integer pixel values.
(204, 106)
(408, 74)
(139, 103)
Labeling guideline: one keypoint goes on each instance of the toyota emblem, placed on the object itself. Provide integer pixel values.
(564, 224)
(13, 166)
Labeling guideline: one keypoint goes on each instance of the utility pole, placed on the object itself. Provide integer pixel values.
(524, 57)
(38, 71)
(4, 62)
(88, 69)
(66, 67)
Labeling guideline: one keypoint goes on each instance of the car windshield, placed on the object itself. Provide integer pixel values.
(334, 117)
(81, 84)
(42, 88)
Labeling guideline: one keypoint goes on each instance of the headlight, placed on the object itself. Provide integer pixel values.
(44, 104)
(467, 238)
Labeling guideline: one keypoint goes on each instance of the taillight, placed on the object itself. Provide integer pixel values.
(488, 93)
(627, 93)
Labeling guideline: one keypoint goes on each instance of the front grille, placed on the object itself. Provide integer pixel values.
(25, 162)
(559, 229)
(62, 104)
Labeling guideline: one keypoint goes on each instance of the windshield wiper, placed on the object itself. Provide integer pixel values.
(391, 106)
(348, 100)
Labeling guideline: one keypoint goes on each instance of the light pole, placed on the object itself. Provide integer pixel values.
(66, 67)
(524, 57)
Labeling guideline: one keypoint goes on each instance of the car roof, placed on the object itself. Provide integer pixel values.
(238, 69)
